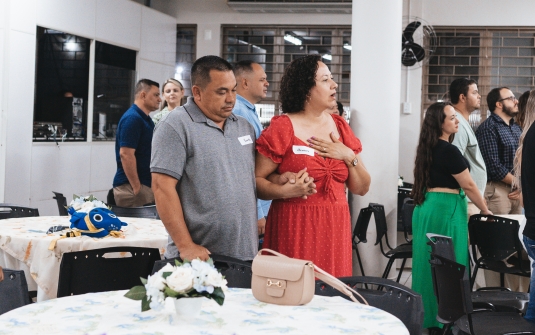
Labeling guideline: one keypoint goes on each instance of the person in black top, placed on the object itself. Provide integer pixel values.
(525, 171)
(441, 173)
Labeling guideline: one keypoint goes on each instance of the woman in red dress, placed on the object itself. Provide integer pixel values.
(316, 227)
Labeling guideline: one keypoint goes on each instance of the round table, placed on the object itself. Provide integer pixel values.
(112, 313)
(24, 245)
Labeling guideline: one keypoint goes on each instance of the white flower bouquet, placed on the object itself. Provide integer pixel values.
(185, 280)
(84, 204)
(400, 181)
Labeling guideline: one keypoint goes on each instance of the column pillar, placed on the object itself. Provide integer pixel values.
(375, 114)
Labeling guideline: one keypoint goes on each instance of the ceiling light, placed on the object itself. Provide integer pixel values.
(179, 69)
(292, 39)
(327, 57)
(71, 46)
(347, 46)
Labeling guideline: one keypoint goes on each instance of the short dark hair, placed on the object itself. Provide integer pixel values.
(200, 71)
(244, 66)
(298, 79)
(340, 108)
(460, 86)
(493, 97)
(144, 85)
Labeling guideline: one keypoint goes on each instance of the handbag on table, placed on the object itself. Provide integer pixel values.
(282, 280)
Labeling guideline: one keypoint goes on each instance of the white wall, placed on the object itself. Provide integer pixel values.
(33, 170)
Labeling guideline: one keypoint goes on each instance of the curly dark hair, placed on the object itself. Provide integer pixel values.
(429, 135)
(296, 83)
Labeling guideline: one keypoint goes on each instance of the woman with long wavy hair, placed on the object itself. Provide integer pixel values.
(524, 168)
(441, 179)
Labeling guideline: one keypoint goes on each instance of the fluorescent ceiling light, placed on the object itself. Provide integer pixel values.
(327, 57)
(179, 69)
(71, 46)
(292, 39)
(348, 46)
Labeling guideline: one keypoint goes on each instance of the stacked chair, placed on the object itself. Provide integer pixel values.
(62, 203)
(472, 312)
(147, 212)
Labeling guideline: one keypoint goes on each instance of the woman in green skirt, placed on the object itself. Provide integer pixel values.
(441, 179)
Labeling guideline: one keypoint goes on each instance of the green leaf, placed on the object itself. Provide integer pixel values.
(143, 281)
(170, 293)
(74, 196)
(136, 293)
(218, 296)
(166, 274)
(177, 263)
(145, 304)
(210, 261)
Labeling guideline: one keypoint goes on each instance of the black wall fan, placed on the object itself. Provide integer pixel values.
(418, 42)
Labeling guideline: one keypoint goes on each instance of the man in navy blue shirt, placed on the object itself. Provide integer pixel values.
(498, 139)
(132, 182)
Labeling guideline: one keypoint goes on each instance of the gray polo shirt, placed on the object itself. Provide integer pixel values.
(465, 139)
(215, 169)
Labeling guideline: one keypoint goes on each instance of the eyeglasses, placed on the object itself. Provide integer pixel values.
(512, 97)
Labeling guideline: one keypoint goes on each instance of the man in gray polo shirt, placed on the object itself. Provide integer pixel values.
(212, 153)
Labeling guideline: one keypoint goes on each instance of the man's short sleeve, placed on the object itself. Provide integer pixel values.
(130, 132)
(461, 138)
(168, 151)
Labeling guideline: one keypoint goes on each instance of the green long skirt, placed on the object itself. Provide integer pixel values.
(444, 214)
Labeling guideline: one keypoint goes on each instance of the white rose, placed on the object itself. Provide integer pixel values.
(86, 207)
(180, 280)
(167, 268)
(215, 279)
(156, 281)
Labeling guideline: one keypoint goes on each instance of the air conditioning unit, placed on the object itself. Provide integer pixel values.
(289, 6)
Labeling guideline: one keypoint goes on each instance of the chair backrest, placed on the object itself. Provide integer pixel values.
(147, 212)
(495, 237)
(110, 198)
(62, 203)
(380, 222)
(452, 289)
(403, 193)
(13, 290)
(238, 273)
(361, 227)
(89, 271)
(392, 297)
(442, 246)
(406, 215)
(9, 211)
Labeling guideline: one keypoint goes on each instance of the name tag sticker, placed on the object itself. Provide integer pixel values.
(244, 140)
(303, 150)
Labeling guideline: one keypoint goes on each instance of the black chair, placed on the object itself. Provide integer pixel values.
(110, 198)
(62, 203)
(496, 239)
(403, 194)
(359, 232)
(238, 273)
(13, 291)
(501, 298)
(147, 212)
(394, 298)
(402, 251)
(89, 271)
(452, 289)
(406, 218)
(9, 211)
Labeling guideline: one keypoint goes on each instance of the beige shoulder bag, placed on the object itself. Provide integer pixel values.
(283, 280)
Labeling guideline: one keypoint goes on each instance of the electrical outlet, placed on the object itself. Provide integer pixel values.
(406, 107)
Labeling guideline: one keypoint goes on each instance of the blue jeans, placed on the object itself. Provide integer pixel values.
(530, 247)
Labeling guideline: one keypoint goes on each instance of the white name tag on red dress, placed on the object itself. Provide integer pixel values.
(303, 150)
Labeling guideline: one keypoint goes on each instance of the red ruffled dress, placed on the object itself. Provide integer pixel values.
(319, 228)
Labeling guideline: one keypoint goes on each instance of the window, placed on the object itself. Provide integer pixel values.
(185, 56)
(115, 75)
(493, 57)
(275, 48)
(61, 86)
(63, 83)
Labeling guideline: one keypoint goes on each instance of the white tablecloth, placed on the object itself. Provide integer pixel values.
(24, 246)
(111, 313)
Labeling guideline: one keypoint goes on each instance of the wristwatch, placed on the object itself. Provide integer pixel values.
(355, 161)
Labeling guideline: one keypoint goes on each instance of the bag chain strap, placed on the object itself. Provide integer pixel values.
(328, 279)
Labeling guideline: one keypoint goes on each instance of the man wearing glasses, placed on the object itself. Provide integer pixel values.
(498, 139)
